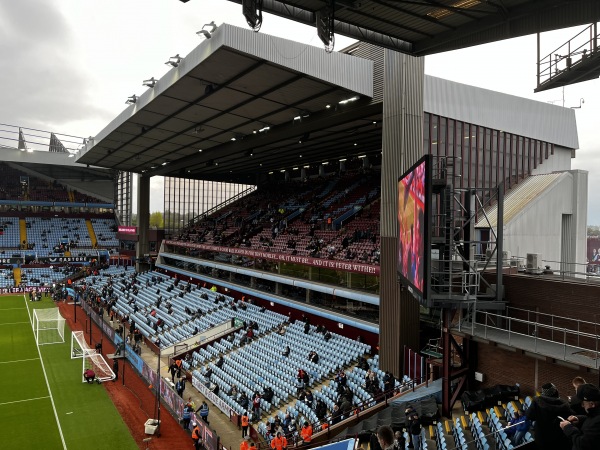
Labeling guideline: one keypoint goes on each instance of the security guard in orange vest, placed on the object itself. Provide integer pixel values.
(306, 432)
(196, 433)
(245, 422)
(279, 442)
(244, 445)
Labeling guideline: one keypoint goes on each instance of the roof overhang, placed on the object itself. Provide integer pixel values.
(203, 118)
(425, 27)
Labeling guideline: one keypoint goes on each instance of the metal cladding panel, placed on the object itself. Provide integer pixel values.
(529, 118)
(402, 145)
(375, 54)
(402, 135)
(346, 71)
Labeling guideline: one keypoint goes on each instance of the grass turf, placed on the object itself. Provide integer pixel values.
(84, 412)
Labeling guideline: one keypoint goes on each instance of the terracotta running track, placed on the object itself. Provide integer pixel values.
(134, 401)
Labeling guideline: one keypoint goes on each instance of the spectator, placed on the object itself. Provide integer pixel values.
(313, 357)
(544, 410)
(574, 401)
(521, 425)
(385, 436)
(584, 431)
(413, 423)
(400, 442)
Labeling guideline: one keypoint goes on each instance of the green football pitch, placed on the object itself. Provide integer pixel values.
(43, 402)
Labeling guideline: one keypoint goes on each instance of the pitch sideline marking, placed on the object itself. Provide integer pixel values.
(26, 400)
(18, 360)
(62, 438)
(14, 323)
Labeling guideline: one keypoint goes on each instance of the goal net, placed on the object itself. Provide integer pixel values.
(97, 363)
(48, 326)
(79, 347)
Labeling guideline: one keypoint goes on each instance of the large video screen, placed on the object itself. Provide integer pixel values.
(413, 213)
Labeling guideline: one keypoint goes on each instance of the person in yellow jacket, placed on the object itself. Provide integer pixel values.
(306, 432)
(245, 420)
(279, 442)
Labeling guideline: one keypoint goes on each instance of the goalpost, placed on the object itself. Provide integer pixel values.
(79, 347)
(98, 364)
(48, 326)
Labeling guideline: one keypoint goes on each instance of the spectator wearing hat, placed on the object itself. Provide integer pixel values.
(413, 423)
(584, 431)
(545, 410)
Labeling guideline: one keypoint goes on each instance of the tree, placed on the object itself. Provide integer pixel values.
(156, 220)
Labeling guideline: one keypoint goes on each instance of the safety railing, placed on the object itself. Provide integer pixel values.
(571, 53)
(571, 336)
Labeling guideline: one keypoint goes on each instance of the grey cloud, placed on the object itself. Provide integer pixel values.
(40, 84)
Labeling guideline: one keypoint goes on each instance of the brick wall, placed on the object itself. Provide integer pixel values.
(501, 366)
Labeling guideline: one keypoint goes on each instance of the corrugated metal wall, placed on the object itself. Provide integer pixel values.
(375, 54)
(402, 145)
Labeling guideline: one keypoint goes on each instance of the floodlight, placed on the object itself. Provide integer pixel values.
(212, 26)
(131, 100)
(174, 60)
(150, 83)
(207, 33)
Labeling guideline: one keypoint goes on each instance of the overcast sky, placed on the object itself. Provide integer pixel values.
(68, 65)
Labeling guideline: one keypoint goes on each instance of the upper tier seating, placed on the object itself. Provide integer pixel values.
(46, 233)
(297, 218)
(106, 232)
(11, 233)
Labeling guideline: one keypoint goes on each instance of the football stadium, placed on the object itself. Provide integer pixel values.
(353, 254)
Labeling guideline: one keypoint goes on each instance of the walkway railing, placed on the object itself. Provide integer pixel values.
(565, 57)
(571, 336)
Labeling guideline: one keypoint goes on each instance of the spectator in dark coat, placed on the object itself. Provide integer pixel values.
(544, 410)
(584, 431)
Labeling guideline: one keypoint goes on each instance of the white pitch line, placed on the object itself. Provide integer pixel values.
(26, 400)
(62, 438)
(14, 323)
(9, 309)
(18, 360)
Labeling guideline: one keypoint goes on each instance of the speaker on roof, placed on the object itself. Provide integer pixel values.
(252, 10)
(325, 25)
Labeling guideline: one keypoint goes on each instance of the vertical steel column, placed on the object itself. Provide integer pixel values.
(402, 145)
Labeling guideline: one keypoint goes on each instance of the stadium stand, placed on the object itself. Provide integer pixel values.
(342, 224)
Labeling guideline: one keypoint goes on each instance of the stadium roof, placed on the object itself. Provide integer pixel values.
(424, 27)
(243, 102)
